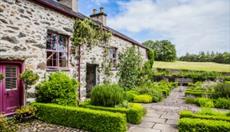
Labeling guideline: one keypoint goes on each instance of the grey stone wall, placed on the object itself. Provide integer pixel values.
(23, 32)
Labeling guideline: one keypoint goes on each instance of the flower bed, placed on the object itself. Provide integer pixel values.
(82, 118)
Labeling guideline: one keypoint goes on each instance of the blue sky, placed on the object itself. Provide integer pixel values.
(192, 25)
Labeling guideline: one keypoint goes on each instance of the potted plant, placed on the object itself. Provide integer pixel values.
(29, 78)
(1, 76)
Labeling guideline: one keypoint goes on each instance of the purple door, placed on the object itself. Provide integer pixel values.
(9, 88)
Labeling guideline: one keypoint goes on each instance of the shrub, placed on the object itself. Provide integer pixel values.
(59, 89)
(211, 112)
(205, 102)
(222, 103)
(134, 112)
(130, 95)
(190, 114)
(190, 100)
(143, 99)
(107, 95)
(202, 125)
(7, 125)
(25, 113)
(82, 118)
(223, 89)
(150, 89)
(129, 68)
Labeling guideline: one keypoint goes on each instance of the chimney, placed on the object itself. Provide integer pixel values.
(100, 16)
(73, 4)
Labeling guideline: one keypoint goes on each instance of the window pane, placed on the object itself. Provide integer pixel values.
(52, 58)
(63, 59)
(62, 43)
(11, 77)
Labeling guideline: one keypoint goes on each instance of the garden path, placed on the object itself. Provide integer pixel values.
(163, 116)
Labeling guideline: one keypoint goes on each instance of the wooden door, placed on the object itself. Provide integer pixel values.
(10, 88)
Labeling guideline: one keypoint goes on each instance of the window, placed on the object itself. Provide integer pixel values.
(57, 51)
(113, 57)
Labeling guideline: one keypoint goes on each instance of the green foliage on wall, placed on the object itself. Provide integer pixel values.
(164, 50)
(129, 68)
(89, 33)
(29, 77)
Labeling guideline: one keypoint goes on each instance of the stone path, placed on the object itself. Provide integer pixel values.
(163, 116)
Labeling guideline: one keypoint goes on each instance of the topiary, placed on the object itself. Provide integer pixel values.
(143, 99)
(59, 89)
(107, 95)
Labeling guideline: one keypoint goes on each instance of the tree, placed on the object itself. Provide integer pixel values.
(164, 50)
(129, 68)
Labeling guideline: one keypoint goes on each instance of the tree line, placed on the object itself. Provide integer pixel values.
(207, 57)
(164, 50)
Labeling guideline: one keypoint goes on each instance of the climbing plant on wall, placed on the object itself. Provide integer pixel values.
(87, 32)
(129, 68)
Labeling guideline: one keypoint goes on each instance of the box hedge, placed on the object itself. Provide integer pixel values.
(202, 125)
(134, 112)
(81, 118)
(190, 114)
(143, 99)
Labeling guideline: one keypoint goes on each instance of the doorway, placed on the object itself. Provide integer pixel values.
(11, 91)
(91, 78)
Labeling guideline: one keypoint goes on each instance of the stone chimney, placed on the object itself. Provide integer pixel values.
(100, 16)
(73, 4)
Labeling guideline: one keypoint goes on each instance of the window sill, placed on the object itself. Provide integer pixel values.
(57, 69)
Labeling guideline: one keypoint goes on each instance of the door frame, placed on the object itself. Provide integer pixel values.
(21, 85)
(95, 75)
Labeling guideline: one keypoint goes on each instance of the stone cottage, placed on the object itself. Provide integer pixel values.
(36, 34)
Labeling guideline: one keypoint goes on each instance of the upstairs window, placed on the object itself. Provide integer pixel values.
(113, 57)
(57, 51)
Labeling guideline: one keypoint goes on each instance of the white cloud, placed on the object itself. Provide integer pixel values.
(100, 2)
(193, 25)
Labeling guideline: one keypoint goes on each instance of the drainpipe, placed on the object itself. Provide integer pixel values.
(79, 72)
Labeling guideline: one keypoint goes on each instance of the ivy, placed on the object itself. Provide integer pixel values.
(87, 32)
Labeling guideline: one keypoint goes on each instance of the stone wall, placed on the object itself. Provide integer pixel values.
(23, 32)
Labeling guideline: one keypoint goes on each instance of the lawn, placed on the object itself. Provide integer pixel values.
(198, 66)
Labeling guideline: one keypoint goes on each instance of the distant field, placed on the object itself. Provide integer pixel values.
(199, 66)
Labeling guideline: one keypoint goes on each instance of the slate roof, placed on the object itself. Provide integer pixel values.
(69, 12)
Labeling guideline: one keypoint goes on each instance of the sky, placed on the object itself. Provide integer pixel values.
(192, 25)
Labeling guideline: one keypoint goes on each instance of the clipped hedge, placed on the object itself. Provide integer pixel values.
(142, 99)
(202, 125)
(134, 112)
(190, 114)
(222, 103)
(82, 118)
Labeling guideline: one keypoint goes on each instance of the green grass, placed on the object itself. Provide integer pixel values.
(197, 66)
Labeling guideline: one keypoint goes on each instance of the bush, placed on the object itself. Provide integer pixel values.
(107, 95)
(205, 102)
(59, 89)
(202, 125)
(190, 114)
(7, 125)
(25, 113)
(129, 68)
(190, 100)
(223, 90)
(130, 95)
(143, 99)
(134, 112)
(82, 118)
(222, 103)
(150, 89)
(211, 112)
